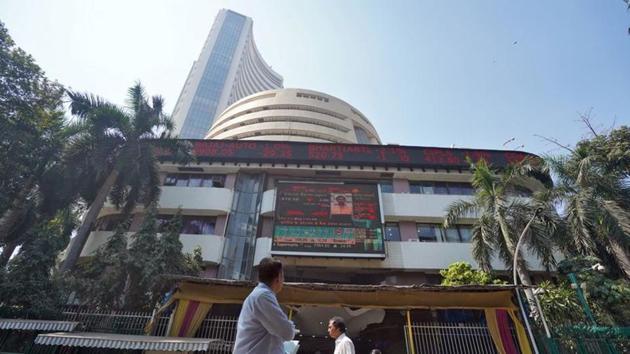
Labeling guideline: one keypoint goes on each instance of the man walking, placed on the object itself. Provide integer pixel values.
(337, 330)
(262, 325)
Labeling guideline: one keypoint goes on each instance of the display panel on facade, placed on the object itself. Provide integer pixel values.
(337, 220)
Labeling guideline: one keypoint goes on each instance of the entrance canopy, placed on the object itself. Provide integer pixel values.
(121, 341)
(219, 291)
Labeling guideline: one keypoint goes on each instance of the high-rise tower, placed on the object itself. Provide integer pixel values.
(228, 69)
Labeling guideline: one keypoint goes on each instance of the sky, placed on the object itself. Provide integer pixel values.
(426, 73)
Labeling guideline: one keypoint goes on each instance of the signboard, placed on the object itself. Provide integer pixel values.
(347, 154)
(334, 220)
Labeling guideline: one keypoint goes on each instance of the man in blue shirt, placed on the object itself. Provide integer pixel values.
(262, 325)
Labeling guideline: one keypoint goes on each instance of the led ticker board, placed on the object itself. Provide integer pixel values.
(334, 220)
(346, 154)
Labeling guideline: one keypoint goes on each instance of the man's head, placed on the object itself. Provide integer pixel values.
(341, 200)
(336, 327)
(270, 273)
(376, 351)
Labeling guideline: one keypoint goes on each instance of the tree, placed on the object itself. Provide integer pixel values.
(33, 132)
(500, 218)
(593, 192)
(462, 273)
(116, 277)
(101, 281)
(115, 154)
(170, 259)
(30, 288)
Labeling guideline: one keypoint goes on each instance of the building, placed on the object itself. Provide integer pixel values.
(237, 201)
(303, 176)
(294, 115)
(228, 69)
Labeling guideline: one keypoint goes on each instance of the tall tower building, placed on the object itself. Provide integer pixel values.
(228, 69)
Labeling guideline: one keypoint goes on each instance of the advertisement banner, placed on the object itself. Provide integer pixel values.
(335, 220)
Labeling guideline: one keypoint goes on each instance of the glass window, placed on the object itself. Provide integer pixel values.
(198, 225)
(392, 232)
(362, 136)
(182, 181)
(170, 180)
(195, 181)
(216, 181)
(451, 234)
(427, 232)
(465, 232)
(386, 187)
(440, 188)
(421, 187)
(460, 189)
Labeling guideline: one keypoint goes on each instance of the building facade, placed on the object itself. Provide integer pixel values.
(294, 115)
(282, 173)
(228, 69)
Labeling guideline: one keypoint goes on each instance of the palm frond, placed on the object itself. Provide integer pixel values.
(458, 210)
(483, 231)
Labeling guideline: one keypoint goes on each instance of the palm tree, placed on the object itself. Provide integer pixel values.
(595, 201)
(115, 154)
(500, 218)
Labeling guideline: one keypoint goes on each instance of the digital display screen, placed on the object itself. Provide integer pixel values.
(336, 220)
(346, 154)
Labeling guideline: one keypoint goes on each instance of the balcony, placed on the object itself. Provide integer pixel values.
(211, 245)
(192, 200)
(407, 206)
(396, 206)
(406, 255)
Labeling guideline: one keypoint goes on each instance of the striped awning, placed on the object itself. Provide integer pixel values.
(123, 341)
(37, 325)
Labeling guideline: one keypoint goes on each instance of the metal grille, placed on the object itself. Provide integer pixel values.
(108, 321)
(219, 327)
(449, 338)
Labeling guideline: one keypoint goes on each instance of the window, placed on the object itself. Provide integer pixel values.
(435, 233)
(461, 233)
(361, 135)
(441, 188)
(198, 225)
(421, 187)
(195, 180)
(387, 187)
(465, 232)
(392, 232)
(427, 232)
(191, 224)
(451, 234)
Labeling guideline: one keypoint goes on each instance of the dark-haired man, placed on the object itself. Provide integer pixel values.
(262, 325)
(337, 330)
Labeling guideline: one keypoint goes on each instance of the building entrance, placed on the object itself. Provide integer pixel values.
(368, 328)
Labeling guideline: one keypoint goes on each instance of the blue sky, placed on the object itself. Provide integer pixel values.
(435, 73)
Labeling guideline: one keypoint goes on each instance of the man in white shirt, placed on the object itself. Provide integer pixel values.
(337, 330)
(262, 325)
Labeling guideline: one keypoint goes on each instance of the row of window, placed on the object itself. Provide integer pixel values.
(195, 180)
(452, 188)
(431, 233)
(191, 224)
(314, 97)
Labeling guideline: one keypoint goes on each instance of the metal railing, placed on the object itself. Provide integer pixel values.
(122, 322)
(126, 322)
(219, 327)
(450, 338)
